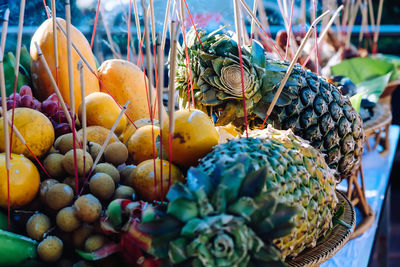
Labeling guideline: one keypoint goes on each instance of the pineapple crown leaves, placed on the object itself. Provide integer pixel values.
(216, 69)
(224, 221)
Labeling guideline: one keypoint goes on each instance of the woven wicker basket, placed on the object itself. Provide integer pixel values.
(336, 239)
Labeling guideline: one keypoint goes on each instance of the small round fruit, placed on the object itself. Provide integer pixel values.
(87, 208)
(125, 192)
(66, 220)
(109, 169)
(97, 134)
(80, 235)
(37, 225)
(69, 165)
(140, 144)
(94, 150)
(94, 242)
(64, 143)
(50, 249)
(36, 129)
(143, 179)
(59, 196)
(194, 137)
(116, 153)
(102, 110)
(53, 164)
(70, 181)
(45, 186)
(24, 181)
(125, 174)
(102, 186)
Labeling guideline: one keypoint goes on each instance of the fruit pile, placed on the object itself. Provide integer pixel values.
(124, 189)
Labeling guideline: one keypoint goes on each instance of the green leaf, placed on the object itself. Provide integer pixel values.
(254, 183)
(16, 249)
(177, 250)
(258, 54)
(193, 227)
(183, 209)
(361, 69)
(244, 207)
(356, 101)
(178, 190)
(101, 253)
(373, 88)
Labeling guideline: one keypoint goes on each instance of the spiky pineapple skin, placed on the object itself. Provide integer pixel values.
(308, 105)
(299, 174)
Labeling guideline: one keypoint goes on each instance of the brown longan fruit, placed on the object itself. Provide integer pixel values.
(125, 174)
(116, 153)
(67, 220)
(109, 169)
(69, 164)
(70, 180)
(64, 143)
(94, 150)
(44, 187)
(53, 165)
(124, 192)
(37, 225)
(102, 186)
(87, 208)
(94, 242)
(80, 235)
(59, 196)
(50, 249)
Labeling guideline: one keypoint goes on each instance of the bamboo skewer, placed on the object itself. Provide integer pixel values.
(54, 84)
(4, 31)
(164, 33)
(108, 34)
(106, 141)
(292, 63)
(55, 44)
(364, 21)
(371, 15)
(160, 88)
(137, 22)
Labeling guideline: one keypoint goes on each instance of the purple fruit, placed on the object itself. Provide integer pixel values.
(62, 128)
(27, 101)
(17, 97)
(49, 108)
(25, 90)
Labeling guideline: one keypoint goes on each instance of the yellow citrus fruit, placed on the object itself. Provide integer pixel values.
(193, 137)
(36, 129)
(102, 110)
(96, 134)
(143, 179)
(131, 129)
(24, 181)
(140, 144)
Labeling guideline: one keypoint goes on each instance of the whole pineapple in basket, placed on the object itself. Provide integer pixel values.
(313, 108)
(250, 201)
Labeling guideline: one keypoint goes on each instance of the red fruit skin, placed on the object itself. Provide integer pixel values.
(27, 101)
(49, 107)
(61, 129)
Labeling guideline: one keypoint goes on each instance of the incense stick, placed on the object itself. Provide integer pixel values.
(17, 59)
(55, 40)
(83, 116)
(106, 141)
(164, 32)
(239, 46)
(71, 87)
(378, 22)
(4, 30)
(252, 20)
(291, 66)
(148, 57)
(54, 84)
(371, 14)
(354, 12)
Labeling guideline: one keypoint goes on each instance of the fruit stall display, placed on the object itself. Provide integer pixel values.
(241, 171)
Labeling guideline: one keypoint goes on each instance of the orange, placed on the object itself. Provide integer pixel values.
(194, 137)
(24, 181)
(130, 129)
(125, 81)
(142, 178)
(140, 144)
(44, 37)
(97, 134)
(36, 129)
(102, 110)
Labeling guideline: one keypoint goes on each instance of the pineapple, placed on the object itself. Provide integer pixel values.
(250, 202)
(313, 108)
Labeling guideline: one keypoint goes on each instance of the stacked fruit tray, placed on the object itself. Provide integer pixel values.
(243, 174)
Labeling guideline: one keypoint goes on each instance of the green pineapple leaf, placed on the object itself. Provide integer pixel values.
(177, 250)
(244, 207)
(178, 190)
(182, 208)
(254, 183)
(258, 54)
